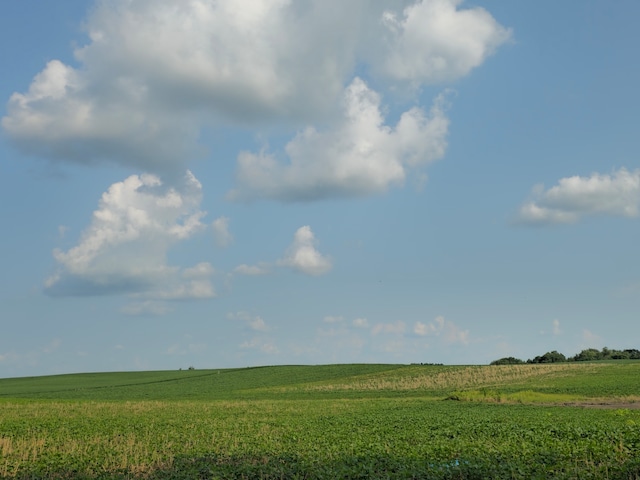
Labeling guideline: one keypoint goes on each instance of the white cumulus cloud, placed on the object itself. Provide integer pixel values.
(152, 76)
(302, 255)
(66, 117)
(358, 156)
(576, 197)
(124, 249)
(434, 41)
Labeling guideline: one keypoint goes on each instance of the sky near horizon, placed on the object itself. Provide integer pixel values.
(229, 184)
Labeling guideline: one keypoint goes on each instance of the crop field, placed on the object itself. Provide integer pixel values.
(566, 421)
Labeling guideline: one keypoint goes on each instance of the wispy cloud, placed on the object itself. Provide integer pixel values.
(591, 339)
(395, 328)
(361, 322)
(261, 345)
(445, 329)
(221, 234)
(332, 319)
(254, 322)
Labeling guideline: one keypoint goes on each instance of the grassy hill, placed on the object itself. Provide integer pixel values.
(618, 379)
(326, 421)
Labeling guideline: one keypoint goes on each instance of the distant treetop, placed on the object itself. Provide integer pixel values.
(587, 355)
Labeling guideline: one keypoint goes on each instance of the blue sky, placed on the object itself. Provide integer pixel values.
(224, 184)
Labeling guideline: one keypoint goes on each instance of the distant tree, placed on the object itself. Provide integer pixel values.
(587, 355)
(549, 357)
(619, 355)
(633, 353)
(507, 361)
(613, 354)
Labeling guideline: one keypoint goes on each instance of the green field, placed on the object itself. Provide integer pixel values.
(569, 420)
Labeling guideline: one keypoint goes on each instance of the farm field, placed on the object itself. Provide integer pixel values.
(567, 421)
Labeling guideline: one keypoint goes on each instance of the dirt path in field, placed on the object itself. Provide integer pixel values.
(606, 405)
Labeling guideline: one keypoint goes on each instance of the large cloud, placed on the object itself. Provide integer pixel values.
(155, 72)
(66, 117)
(358, 156)
(575, 197)
(124, 249)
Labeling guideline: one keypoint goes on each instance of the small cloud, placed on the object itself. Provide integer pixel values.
(574, 198)
(261, 345)
(221, 233)
(302, 256)
(556, 327)
(332, 319)
(52, 346)
(201, 270)
(395, 328)
(361, 323)
(62, 230)
(395, 347)
(445, 329)
(434, 42)
(532, 214)
(199, 289)
(591, 338)
(8, 357)
(256, 323)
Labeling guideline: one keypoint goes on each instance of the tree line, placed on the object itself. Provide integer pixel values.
(587, 355)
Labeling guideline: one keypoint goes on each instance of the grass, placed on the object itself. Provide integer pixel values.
(183, 384)
(336, 421)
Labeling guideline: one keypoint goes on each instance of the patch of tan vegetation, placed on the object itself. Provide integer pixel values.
(458, 378)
